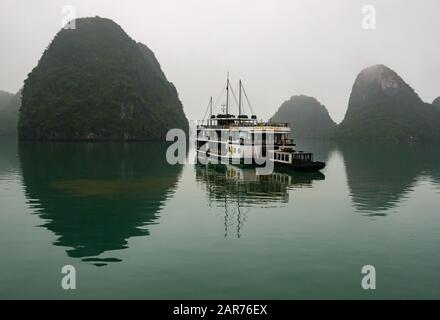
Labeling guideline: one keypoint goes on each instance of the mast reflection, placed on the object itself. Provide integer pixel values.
(238, 190)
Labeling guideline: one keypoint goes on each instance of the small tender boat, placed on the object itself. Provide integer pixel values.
(287, 158)
(244, 140)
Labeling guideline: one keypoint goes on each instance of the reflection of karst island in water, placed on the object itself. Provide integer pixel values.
(237, 190)
(380, 176)
(95, 196)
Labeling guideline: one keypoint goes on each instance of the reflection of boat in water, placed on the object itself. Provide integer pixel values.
(237, 190)
(253, 189)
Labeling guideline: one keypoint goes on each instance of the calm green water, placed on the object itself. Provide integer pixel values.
(135, 227)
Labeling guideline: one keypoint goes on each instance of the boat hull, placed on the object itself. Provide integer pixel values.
(303, 166)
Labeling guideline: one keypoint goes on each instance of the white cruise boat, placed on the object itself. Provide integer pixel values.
(244, 140)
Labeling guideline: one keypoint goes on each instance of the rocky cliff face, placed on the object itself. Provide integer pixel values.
(383, 106)
(307, 117)
(95, 82)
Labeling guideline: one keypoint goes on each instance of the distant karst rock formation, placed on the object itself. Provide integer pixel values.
(95, 82)
(9, 106)
(383, 107)
(436, 103)
(307, 117)
(5, 98)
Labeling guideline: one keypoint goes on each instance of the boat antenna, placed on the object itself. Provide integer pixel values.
(227, 94)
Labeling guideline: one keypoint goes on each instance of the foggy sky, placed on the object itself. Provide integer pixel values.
(278, 48)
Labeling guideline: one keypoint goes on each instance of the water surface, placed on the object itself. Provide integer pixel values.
(135, 227)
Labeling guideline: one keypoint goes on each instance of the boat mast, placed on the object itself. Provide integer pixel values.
(210, 107)
(227, 95)
(239, 99)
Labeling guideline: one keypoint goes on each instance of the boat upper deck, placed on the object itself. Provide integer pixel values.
(228, 124)
(225, 121)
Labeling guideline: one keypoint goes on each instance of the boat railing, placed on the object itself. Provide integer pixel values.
(203, 124)
(303, 156)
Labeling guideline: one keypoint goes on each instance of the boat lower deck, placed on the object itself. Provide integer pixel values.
(295, 164)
